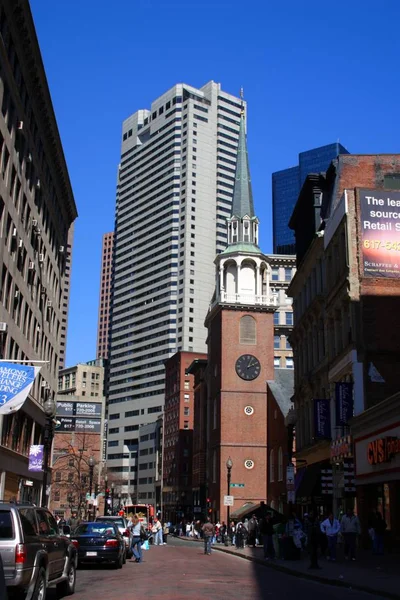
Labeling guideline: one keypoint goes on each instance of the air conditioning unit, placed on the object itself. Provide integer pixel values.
(43, 291)
(49, 303)
(29, 157)
(14, 233)
(61, 249)
(34, 222)
(20, 125)
(31, 266)
(41, 258)
(38, 184)
(20, 244)
(38, 231)
(3, 327)
(16, 295)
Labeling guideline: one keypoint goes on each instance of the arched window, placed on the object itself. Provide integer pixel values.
(280, 464)
(248, 332)
(272, 466)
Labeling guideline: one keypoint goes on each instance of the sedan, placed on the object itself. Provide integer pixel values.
(122, 524)
(99, 543)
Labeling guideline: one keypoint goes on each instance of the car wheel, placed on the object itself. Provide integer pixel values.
(118, 564)
(67, 588)
(40, 587)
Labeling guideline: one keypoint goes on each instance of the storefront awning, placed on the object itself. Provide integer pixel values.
(260, 509)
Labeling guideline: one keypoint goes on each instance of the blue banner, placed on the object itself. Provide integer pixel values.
(36, 458)
(16, 381)
(344, 402)
(322, 418)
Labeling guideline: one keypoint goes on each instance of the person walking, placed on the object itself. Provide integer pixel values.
(241, 533)
(267, 532)
(379, 526)
(331, 527)
(137, 535)
(350, 528)
(73, 521)
(165, 533)
(157, 532)
(312, 531)
(208, 534)
(252, 529)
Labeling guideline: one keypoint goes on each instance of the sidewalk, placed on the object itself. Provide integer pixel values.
(378, 575)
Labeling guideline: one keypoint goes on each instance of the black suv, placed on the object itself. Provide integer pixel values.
(34, 554)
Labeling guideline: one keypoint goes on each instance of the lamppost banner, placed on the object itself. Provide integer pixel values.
(36, 458)
(322, 418)
(16, 381)
(344, 402)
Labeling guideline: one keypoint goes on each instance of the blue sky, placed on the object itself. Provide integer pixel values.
(313, 72)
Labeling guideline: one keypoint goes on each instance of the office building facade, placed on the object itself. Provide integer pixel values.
(286, 186)
(37, 210)
(174, 194)
(105, 295)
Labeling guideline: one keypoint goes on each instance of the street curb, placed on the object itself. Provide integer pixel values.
(304, 575)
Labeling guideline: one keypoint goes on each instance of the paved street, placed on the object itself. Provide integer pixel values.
(180, 570)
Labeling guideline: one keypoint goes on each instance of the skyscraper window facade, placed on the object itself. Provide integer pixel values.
(286, 186)
(174, 194)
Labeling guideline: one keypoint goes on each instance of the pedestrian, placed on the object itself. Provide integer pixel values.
(252, 529)
(138, 536)
(267, 532)
(313, 531)
(241, 534)
(379, 526)
(208, 534)
(331, 527)
(350, 528)
(189, 529)
(73, 521)
(165, 533)
(232, 533)
(223, 533)
(157, 532)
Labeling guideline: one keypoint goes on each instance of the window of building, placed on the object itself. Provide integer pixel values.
(247, 333)
(289, 318)
(186, 411)
(275, 274)
(280, 464)
(287, 344)
(114, 416)
(289, 362)
(276, 317)
(186, 425)
(288, 274)
(272, 466)
(187, 385)
(277, 361)
(277, 342)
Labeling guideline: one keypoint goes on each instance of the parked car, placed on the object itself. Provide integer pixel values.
(35, 555)
(98, 542)
(122, 524)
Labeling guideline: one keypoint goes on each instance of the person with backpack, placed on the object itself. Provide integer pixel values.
(208, 534)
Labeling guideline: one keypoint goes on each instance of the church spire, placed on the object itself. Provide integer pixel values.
(242, 204)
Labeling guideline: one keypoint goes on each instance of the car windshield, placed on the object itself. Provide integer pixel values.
(6, 525)
(95, 528)
(118, 522)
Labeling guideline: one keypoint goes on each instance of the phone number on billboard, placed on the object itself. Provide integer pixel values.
(376, 244)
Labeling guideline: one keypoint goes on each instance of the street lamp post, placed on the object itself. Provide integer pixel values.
(49, 408)
(229, 465)
(112, 498)
(105, 496)
(92, 462)
(119, 501)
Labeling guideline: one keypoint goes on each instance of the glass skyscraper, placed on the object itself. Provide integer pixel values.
(286, 186)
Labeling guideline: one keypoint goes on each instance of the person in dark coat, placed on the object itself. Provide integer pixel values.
(252, 531)
(267, 531)
(312, 531)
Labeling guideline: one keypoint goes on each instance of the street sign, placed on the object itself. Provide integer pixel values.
(228, 500)
(237, 484)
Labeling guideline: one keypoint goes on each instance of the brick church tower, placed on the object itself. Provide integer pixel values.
(240, 355)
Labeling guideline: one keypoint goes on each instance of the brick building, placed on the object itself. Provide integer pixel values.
(346, 350)
(178, 436)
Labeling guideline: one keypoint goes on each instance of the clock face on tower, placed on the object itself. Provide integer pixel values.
(248, 367)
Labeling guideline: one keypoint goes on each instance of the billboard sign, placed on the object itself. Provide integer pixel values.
(380, 233)
(322, 418)
(344, 402)
(66, 424)
(79, 409)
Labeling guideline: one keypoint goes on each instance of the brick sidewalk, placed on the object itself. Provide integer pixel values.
(374, 574)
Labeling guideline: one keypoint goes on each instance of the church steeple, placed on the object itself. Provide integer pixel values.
(243, 224)
(242, 204)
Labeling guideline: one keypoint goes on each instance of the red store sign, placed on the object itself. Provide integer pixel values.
(383, 450)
